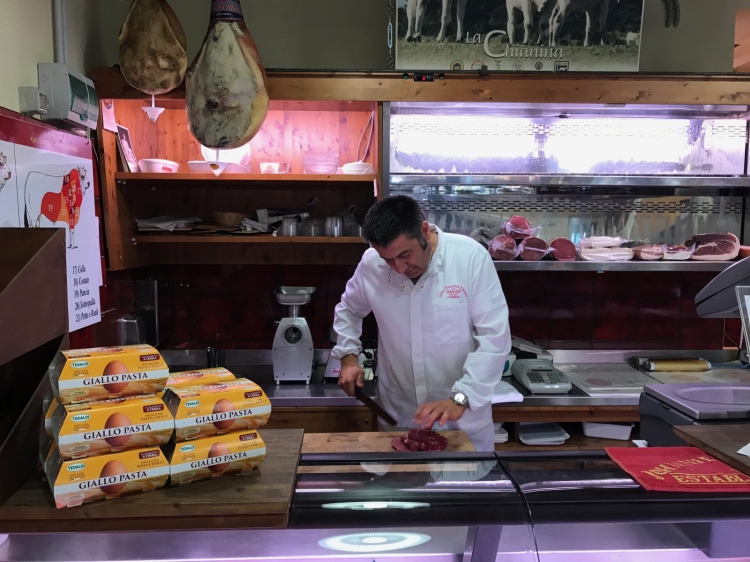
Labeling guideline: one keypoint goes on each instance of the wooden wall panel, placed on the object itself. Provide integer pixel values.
(286, 133)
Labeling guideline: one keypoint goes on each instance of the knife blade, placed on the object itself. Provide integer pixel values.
(374, 406)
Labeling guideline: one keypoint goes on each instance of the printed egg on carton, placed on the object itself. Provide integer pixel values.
(215, 409)
(82, 481)
(92, 375)
(119, 424)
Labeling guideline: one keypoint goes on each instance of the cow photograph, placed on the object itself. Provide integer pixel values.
(5, 173)
(519, 35)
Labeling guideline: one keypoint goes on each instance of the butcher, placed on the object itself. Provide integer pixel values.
(442, 319)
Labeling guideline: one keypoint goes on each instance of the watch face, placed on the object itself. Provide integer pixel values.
(459, 397)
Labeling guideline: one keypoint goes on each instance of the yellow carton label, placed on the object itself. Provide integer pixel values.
(91, 375)
(99, 428)
(198, 378)
(111, 476)
(215, 409)
(216, 456)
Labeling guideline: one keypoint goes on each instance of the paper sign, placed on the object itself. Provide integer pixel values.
(108, 116)
(46, 180)
(745, 450)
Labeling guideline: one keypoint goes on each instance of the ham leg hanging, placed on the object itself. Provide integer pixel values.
(153, 47)
(226, 86)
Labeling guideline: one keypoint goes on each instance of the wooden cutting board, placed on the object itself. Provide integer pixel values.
(374, 442)
(258, 498)
(720, 441)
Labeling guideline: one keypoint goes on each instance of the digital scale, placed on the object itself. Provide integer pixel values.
(539, 376)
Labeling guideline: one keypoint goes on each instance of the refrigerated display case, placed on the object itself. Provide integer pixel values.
(515, 507)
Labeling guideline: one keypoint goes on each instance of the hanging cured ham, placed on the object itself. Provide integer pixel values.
(226, 86)
(153, 47)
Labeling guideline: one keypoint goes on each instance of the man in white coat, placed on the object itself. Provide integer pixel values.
(442, 320)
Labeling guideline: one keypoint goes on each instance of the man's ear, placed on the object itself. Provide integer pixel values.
(426, 230)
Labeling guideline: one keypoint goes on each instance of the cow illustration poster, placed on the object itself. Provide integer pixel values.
(46, 181)
(519, 35)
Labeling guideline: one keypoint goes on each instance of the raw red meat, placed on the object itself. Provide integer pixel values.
(714, 247)
(399, 445)
(533, 249)
(503, 248)
(649, 252)
(564, 249)
(518, 228)
(420, 440)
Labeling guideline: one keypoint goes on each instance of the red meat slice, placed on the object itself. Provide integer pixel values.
(564, 249)
(413, 445)
(503, 248)
(518, 228)
(399, 445)
(533, 249)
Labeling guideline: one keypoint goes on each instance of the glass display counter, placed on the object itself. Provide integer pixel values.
(470, 507)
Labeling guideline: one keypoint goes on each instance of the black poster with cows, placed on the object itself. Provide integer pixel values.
(519, 35)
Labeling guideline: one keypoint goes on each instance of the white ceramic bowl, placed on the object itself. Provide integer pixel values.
(359, 168)
(157, 166)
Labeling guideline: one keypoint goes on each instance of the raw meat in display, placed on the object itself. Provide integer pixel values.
(420, 440)
(153, 47)
(519, 228)
(563, 249)
(676, 253)
(605, 254)
(532, 249)
(226, 86)
(503, 248)
(745, 251)
(601, 242)
(714, 247)
(649, 252)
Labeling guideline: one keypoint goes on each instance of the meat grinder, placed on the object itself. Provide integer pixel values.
(293, 344)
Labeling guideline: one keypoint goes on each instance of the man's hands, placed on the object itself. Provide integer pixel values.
(445, 411)
(351, 374)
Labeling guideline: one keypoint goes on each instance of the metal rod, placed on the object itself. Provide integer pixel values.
(59, 15)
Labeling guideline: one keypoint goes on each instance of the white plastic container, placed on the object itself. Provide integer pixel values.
(157, 166)
(620, 431)
(216, 168)
(358, 168)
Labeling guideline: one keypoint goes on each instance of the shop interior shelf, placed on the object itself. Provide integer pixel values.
(275, 181)
(545, 265)
(187, 239)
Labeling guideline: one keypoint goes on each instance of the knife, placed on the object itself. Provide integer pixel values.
(374, 406)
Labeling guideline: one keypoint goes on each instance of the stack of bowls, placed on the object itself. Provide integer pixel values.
(325, 162)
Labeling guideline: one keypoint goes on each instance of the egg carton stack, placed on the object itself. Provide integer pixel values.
(110, 420)
(104, 424)
(216, 429)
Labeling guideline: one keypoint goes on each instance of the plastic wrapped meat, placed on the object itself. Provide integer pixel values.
(519, 228)
(503, 248)
(605, 254)
(601, 242)
(649, 252)
(533, 249)
(153, 47)
(563, 249)
(226, 86)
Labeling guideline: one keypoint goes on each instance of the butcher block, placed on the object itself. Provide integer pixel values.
(374, 442)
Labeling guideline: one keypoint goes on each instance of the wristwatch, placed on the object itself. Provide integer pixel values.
(460, 399)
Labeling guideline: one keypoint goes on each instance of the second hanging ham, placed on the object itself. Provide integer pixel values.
(226, 86)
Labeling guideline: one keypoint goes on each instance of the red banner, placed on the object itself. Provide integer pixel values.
(679, 469)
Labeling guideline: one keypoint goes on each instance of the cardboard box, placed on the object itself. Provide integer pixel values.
(205, 411)
(200, 377)
(214, 457)
(78, 482)
(101, 373)
(100, 428)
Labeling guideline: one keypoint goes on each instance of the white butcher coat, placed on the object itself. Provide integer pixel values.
(447, 333)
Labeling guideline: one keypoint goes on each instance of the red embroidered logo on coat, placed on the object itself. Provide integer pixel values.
(453, 292)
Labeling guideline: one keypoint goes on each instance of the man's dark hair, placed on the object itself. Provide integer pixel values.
(390, 218)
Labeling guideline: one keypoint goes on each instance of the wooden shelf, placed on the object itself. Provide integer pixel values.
(257, 181)
(259, 498)
(241, 239)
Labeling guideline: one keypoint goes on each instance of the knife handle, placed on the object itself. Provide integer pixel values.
(357, 392)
